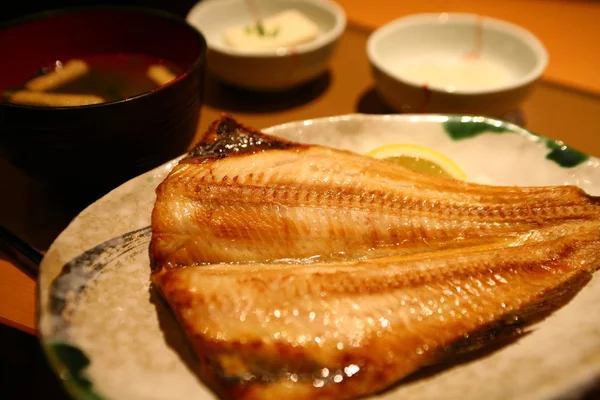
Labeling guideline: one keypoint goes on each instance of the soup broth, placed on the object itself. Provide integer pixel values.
(117, 76)
(108, 77)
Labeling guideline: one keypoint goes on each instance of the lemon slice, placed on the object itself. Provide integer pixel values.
(419, 159)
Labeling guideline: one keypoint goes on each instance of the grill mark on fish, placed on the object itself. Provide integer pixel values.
(230, 193)
(344, 197)
(288, 195)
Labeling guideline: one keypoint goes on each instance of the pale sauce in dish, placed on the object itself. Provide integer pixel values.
(457, 74)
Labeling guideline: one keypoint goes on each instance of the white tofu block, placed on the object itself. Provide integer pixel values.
(287, 28)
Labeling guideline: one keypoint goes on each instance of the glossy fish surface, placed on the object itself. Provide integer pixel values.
(306, 272)
(243, 196)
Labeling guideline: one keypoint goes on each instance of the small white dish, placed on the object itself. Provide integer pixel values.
(454, 63)
(267, 70)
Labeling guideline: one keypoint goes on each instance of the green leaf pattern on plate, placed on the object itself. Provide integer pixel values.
(71, 362)
(458, 129)
(560, 153)
(563, 155)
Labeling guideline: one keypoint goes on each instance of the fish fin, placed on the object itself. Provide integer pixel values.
(226, 136)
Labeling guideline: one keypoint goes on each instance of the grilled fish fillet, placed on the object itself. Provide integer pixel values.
(308, 272)
(344, 330)
(243, 196)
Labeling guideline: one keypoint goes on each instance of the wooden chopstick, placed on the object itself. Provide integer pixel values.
(28, 257)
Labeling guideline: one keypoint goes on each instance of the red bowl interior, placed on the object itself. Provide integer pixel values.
(30, 43)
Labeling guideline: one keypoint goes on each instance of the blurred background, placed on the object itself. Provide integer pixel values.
(179, 7)
(573, 64)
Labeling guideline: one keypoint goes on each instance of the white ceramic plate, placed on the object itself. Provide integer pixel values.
(109, 337)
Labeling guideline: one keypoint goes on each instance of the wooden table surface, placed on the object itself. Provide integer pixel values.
(557, 108)
(569, 29)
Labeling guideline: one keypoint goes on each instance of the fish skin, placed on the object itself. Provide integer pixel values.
(260, 246)
(244, 196)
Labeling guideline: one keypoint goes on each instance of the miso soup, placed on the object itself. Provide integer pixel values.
(94, 79)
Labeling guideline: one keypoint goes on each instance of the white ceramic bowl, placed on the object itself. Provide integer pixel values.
(270, 69)
(408, 52)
